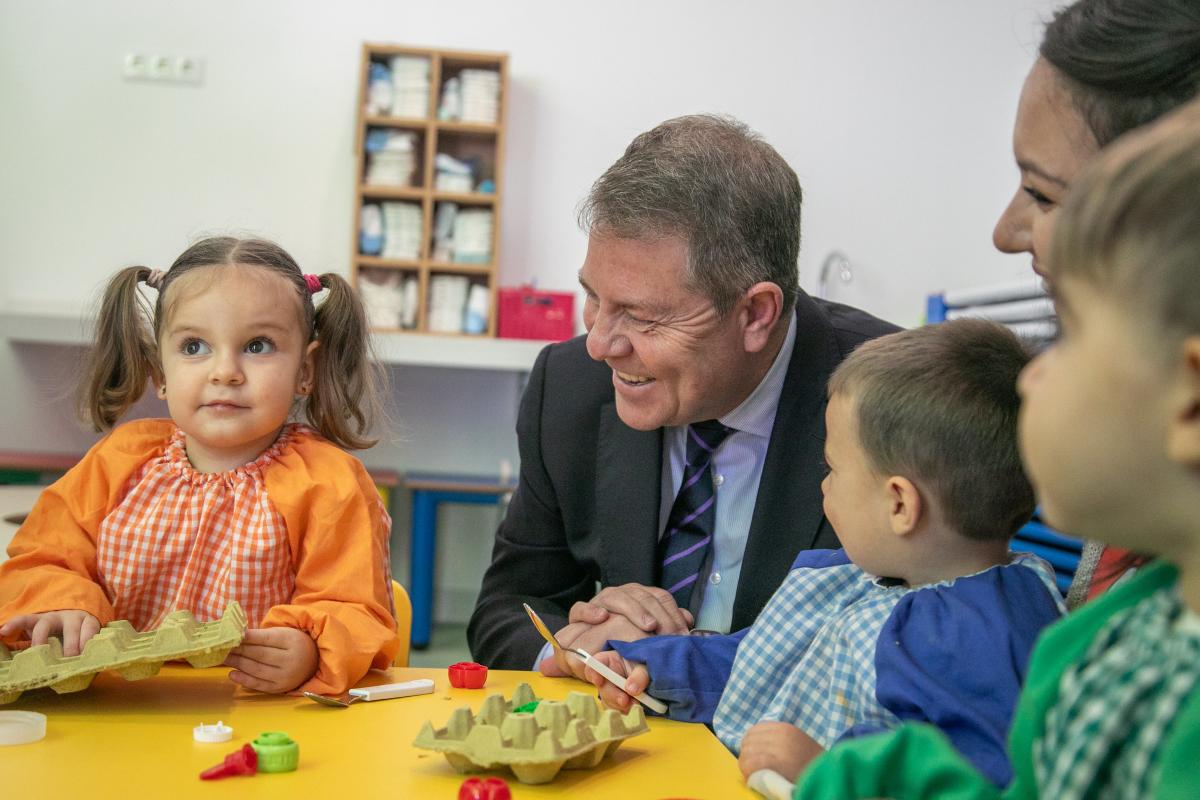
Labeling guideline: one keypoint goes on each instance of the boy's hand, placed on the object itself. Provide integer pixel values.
(72, 626)
(274, 660)
(622, 613)
(637, 680)
(592, 638)
(778, 746)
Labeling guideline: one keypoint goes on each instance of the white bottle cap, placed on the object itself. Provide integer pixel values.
(21, 727)
(212, 733)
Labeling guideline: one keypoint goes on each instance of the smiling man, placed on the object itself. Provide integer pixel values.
(671, 458)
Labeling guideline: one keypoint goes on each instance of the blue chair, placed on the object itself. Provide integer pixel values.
(1060, 551)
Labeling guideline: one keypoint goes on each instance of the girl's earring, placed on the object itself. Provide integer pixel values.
(162, 392)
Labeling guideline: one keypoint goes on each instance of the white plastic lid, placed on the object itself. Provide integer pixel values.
(212, 733)
(21, 727)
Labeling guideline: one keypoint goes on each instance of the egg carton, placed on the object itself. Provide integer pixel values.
(575, 734)
(118, 646)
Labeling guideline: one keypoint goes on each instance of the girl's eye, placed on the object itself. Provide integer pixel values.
(195, 347)
(1037, 197)
(260, 347)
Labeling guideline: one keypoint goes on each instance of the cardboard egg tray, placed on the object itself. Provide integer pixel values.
(117, 646)
(575, 734)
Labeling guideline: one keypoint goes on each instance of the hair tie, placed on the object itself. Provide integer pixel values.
(155, 278)
(313, 282)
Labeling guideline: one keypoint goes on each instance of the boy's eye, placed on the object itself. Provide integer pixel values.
(260, 347)
(194, 347)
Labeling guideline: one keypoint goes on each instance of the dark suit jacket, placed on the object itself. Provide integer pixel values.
(587, 506)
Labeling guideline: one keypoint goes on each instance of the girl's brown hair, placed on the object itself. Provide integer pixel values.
(344, 403)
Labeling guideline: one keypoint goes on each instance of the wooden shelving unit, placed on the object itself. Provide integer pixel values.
(484, 143)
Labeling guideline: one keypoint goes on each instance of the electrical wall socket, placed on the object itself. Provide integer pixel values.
(164, 68)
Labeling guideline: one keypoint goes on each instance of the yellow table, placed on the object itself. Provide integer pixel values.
(134, 739)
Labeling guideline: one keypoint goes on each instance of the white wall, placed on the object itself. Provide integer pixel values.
(896, 115)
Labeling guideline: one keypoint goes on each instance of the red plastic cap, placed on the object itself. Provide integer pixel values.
(468, 675)
(484, 789)
(239, 762)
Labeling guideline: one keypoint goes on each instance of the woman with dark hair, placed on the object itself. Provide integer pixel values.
(1105, 68)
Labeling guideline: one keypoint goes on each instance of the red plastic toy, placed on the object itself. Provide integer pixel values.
(468, 675)
(239, 762)
(484, 789)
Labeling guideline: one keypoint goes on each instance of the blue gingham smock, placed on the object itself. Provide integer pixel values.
(839, 653)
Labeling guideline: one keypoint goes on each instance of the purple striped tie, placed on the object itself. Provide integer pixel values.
(690, 526)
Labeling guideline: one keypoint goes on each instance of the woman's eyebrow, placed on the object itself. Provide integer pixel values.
(1029, 166)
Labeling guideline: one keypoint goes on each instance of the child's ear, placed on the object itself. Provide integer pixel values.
(905, 506)
(1183, 432)
(308, 369)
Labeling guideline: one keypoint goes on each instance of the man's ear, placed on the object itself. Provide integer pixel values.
(905, 505)
(308, 369)
(1183, 429)
(761, 307)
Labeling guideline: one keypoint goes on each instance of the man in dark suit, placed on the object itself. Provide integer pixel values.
(671, 459)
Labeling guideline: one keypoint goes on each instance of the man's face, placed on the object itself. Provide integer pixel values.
(674, 359)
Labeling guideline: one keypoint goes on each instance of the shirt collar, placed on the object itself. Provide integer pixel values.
(756, 414)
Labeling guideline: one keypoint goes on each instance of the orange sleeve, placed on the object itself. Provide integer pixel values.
(339, 533)
(52, 558)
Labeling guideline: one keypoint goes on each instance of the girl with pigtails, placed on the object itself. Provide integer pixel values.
(229, 499)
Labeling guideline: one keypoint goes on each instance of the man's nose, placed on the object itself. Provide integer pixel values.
(604, 340)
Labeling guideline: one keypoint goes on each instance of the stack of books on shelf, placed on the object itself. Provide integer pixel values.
(1022, 305)
(473, 236)
(389, 298)
(480, 95)
(410, 86)
(457, 306)
(401, 230)
(443, 231)
(391, 157)
(452, 174)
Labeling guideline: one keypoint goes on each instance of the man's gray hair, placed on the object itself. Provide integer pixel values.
(719, 186)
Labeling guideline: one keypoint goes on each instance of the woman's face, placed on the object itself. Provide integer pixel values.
(1051, 143)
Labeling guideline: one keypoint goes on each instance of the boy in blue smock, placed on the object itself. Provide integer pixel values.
(925, 615)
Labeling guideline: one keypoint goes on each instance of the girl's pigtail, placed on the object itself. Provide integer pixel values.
(124, 356)
(345, 403)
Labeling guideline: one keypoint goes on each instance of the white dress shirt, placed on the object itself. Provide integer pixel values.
(737, 471)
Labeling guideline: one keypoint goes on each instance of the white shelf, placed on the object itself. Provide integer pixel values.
(57, 327)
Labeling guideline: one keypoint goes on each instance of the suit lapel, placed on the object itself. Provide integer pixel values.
(628, 489)
(787, 511)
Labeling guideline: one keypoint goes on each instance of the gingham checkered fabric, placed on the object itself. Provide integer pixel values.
(1115, 706)
(809, 659)
(185, 539)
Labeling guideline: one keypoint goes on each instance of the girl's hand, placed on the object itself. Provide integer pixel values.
(637, 680)
(72, 626)
(778, 746)
(274, 660)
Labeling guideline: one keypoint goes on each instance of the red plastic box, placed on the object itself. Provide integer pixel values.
(527, 313)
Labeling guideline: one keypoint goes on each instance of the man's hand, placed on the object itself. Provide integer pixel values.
(650, 608)
(274, 660)
(591, 638)
(621, 613)
(778, 746)
(637, 679)
(72, 626)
